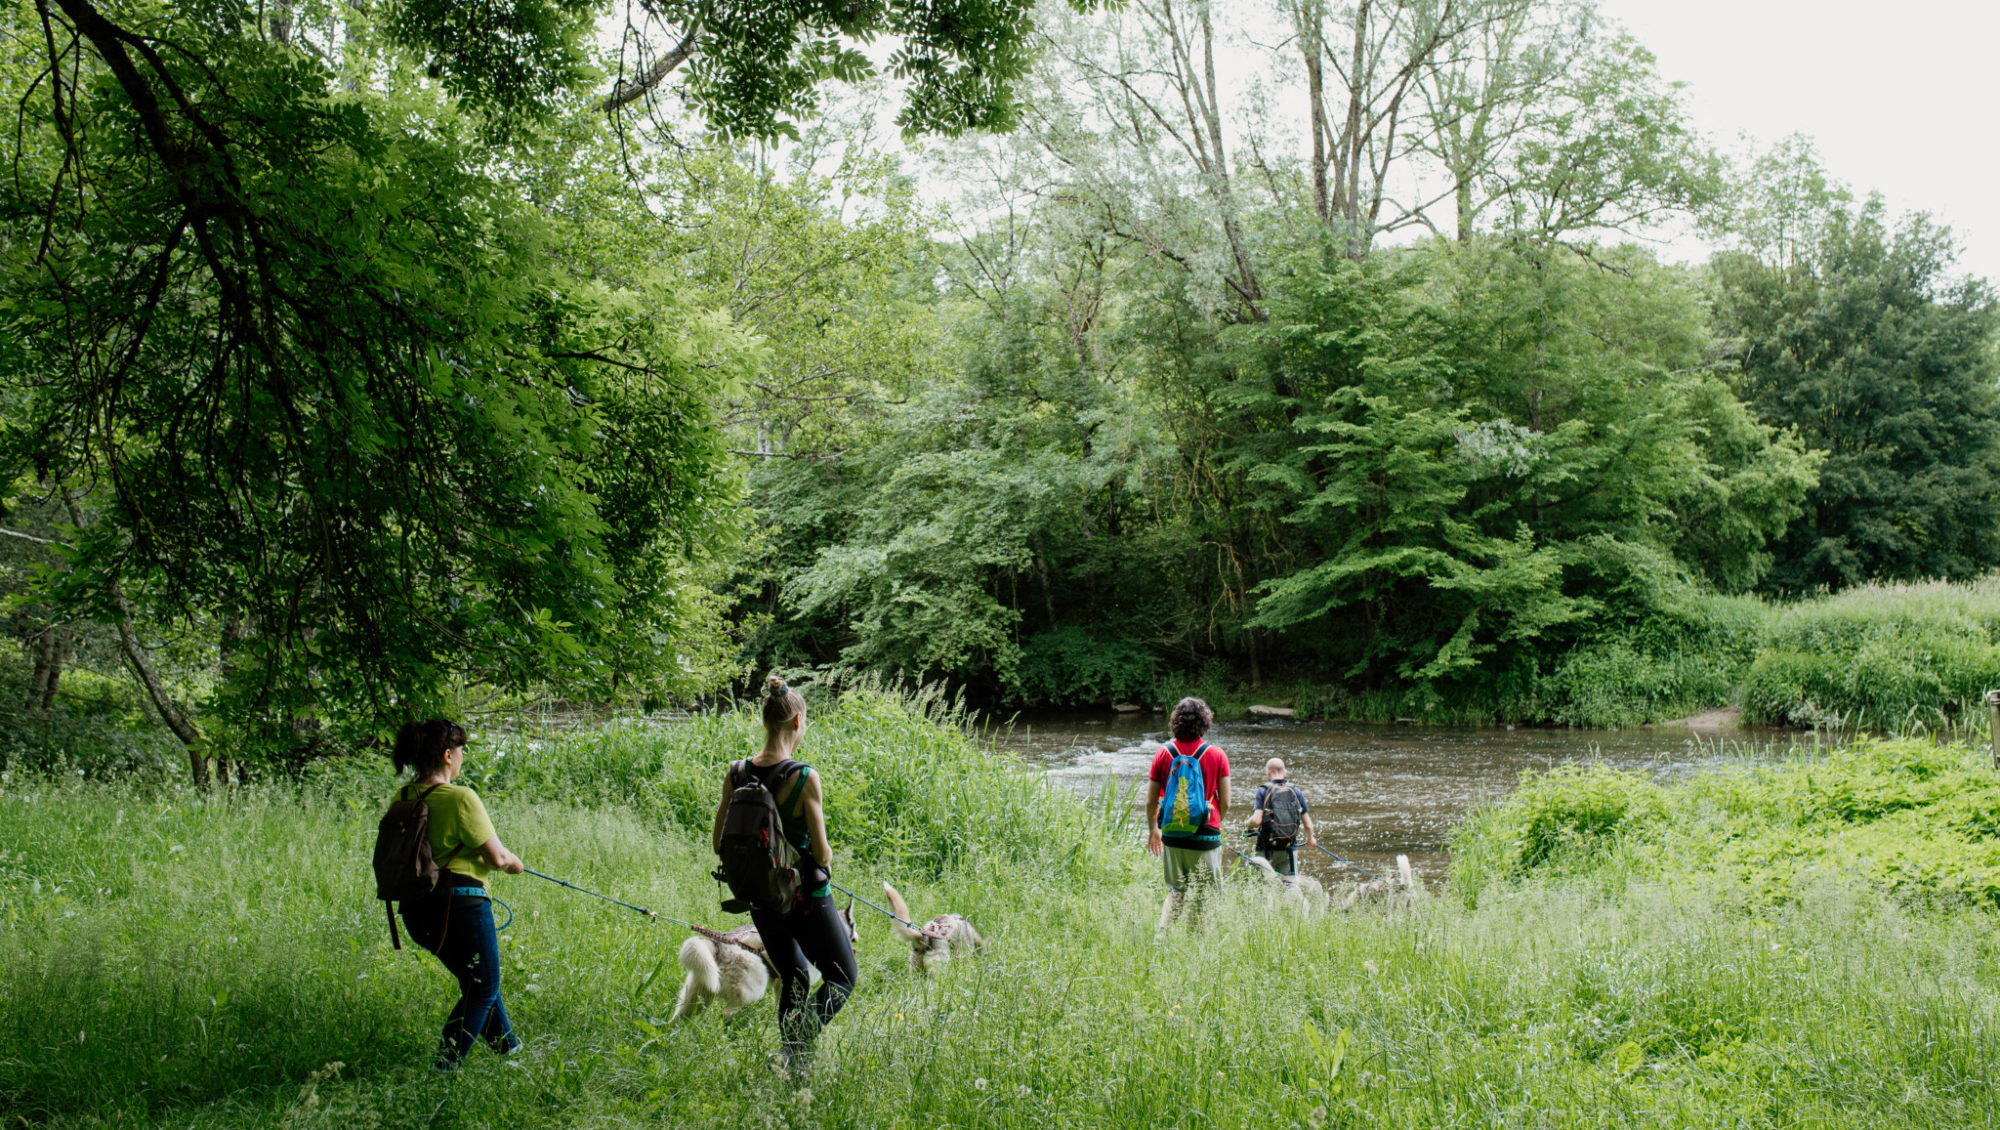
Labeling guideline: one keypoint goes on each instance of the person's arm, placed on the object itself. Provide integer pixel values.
(474, 825)
(499, 858)
(1312, 837)
(816, 824)
(715, 832)
(1222, 802)
(1153, 791)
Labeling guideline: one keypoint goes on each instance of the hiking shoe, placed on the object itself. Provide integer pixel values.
(793, 1062)
(506, 1045)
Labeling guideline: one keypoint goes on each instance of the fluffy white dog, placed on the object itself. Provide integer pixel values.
(1299, 894)
(731, 966)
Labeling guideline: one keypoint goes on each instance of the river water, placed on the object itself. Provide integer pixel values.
(1375, 790)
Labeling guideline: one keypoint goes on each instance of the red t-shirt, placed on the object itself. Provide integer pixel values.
(1214, 767)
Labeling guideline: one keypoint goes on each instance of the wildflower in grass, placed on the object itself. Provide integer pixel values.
(979, 1084)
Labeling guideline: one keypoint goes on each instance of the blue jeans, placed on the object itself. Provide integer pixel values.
(463, 938)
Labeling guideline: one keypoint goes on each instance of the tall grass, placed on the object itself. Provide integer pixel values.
(173, 960)
(1880, 656)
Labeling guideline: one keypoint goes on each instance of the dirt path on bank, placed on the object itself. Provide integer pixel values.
(1722, 718)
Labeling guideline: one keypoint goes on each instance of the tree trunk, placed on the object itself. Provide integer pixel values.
(142, 667)
(163, 701)
(58, 657)
(1309, 45)
(49, 650)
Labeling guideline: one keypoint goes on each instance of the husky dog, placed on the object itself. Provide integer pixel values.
(1403, 888)
(1301, 894)
(731, 966)
(935, 941)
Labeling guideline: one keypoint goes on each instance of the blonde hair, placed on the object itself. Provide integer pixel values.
(781, 703)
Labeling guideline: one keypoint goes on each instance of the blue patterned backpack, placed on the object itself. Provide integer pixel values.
(1184, 801)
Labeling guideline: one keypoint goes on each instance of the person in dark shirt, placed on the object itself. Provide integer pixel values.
(1277, 814)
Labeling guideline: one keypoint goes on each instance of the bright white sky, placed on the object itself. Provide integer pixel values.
(1896, 95)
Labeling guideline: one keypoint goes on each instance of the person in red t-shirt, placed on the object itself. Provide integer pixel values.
(1192, 861)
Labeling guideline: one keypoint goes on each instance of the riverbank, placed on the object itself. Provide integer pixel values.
(1888, 657)
(174, 960)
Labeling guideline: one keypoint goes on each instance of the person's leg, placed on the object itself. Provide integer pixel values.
(1285, 861)
(822, 935)
(493, 1027)
(472, 952)
(794, 981)
(1204, 878)
(428, 925)
(1173, 865)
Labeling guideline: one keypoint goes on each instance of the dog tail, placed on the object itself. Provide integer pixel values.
(698, 958)
(902, 909)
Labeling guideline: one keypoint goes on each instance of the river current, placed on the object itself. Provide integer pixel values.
(1376, 791)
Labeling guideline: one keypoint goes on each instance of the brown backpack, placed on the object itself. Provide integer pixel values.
(404, 867)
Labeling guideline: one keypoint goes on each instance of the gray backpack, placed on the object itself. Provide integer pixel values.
(1284, 809)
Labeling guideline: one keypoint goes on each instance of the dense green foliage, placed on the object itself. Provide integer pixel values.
(373, 362)
(231, 968)
(1858, 335)
(1907, 817)
(1894, 656)
(1361, 489)
(329, 365)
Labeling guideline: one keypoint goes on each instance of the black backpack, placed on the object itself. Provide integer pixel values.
(1284, 808)
(404, 867)
(760, 866)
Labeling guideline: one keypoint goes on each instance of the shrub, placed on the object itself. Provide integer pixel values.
(905, 786)
(1904, 816)
(1884, 656)
(1073, 666)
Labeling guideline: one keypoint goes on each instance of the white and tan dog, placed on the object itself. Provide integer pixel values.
(1402, 889)
(731, 966)
(933, 943)
(1300, 894)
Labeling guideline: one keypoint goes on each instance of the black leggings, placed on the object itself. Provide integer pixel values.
(814, 933)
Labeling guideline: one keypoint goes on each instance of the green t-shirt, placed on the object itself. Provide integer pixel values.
(459, 824)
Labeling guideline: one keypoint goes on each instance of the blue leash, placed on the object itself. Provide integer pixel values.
(864, 902)
(1350, 863)
(607, 898)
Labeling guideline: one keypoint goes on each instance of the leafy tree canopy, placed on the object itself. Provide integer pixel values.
(1855, 332)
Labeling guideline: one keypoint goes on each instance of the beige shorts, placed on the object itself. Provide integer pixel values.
(1186, 866)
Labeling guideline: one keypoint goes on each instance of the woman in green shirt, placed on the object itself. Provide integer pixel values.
(456, 921)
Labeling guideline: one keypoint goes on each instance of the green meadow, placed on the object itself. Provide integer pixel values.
(1801, 942)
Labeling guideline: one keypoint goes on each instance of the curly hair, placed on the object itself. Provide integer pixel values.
(1191, 719)
(421, 745)
(781, 703)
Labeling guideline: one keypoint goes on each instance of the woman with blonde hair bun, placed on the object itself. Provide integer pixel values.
(811, 933)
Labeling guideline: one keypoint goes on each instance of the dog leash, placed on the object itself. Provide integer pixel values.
(1349, 862)
(889, 914)
(608, 898)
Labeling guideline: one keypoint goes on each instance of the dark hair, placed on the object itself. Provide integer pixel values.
(1191, 718)
(421, 745)
(781, 703)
